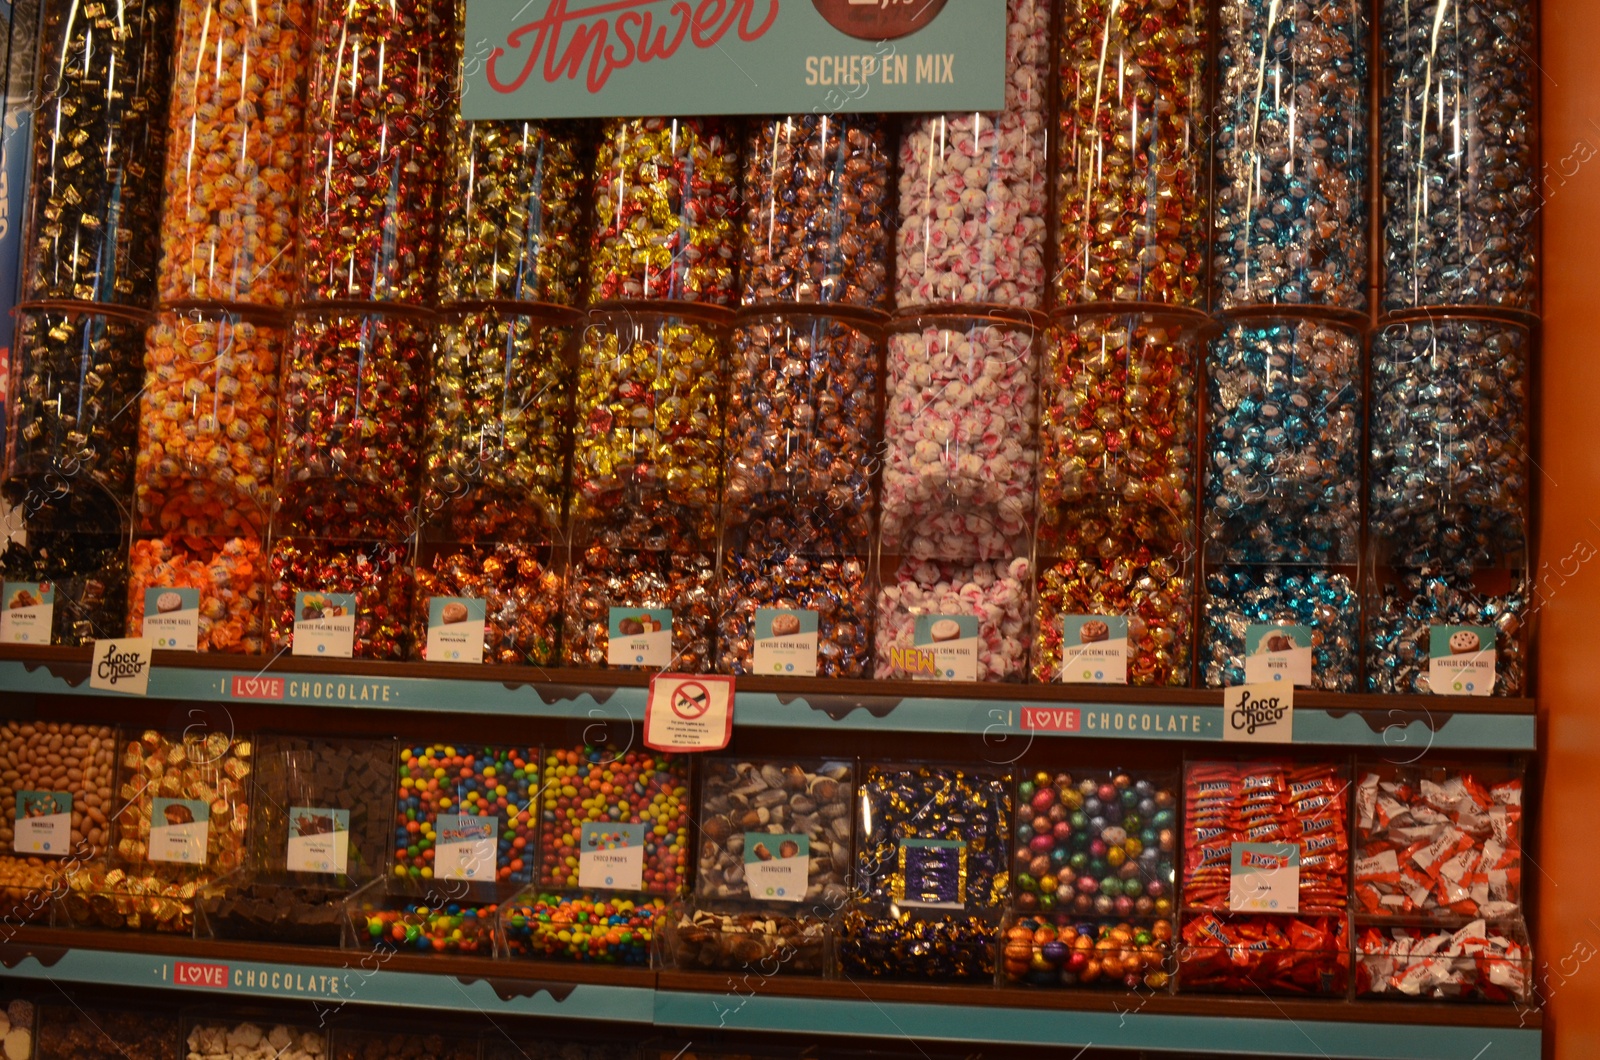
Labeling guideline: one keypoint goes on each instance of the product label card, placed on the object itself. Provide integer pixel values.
(455, 629)
(43, 824)
(611, 856)
(178, 829)
(786, 642)
(319, 839)
(1094, 649)
(1461, 660)
(775, 865)
(464, 848)
(121, 665)
(640, 636)
(172, 618)
(1258, 713)
(29, 608)
(944, 648)
(688, 712)
(325, 625)
(1277, 655)
(934, 872)
(1265, 878)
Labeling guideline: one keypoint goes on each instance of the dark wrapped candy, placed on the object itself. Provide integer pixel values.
(1402, 614)
(944, 826)
(941, 948)
(88, 573)
(1324, 601)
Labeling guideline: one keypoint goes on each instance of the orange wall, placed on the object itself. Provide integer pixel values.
(1568, 876)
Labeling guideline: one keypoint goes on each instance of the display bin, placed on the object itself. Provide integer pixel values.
(1063, 951)
(515, 200)
(229, 227)
(1132, 145)
(257, 1034)
(340, 599)
(585, 927)
(602, 801)
(1438, 839)
(1283, 442)
(972, 203)
(1277, 955)
(183, 821)
(1096, 843)
(766, 938)
(1458, 131)
(1444, 961)
(816, 195)
(94, 1032)
(199, 593)
(1293, 162)
(924, 945)
(499, 427)
(1449, 472)
(478, 829)
(933, 835)
(443, 917)
(1299, 625)
(1300, 808)
(378, 101)
(94, 191)
(666, 212)
(323, 823)
(390, 1039)
(61, 823)
(65, 586)
(18, 1027)
(1442, 615)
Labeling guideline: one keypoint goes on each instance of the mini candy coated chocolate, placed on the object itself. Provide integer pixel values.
(1480, 961)
(1459, 123)
(1264, 955)
(972, 187)
(1131, 195)
(1402, 614)
(474, 781)
(95, 211)
(1322, 600)
(1119, 577)
(816, 193)
(997, 592)
(235, 141)
(743, 799)
(601, 785)
(88, 574)
(1290, 217)
(1305, 803)
(380, 576)
(666, 212)
(904, 804)
(589, 930)
(960, 452)
(1053, 949)
(499, 422)
(1439, 841)
(1449, 446)
(230, 575)
(768, 943)
(451, 928)
(1283, 442)
(208, 423)
(378, 100)
(350, 450)
(73, 420)
(515, 196)
(942, 948)
(521, 591)
(1095, 843)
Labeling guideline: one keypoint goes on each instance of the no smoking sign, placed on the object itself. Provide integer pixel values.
(689, 712)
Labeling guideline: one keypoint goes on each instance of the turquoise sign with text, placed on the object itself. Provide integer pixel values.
(637, 58)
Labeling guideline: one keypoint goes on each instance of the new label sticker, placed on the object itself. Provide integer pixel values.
(43, 824)
(1461, 660)
(1258, 713)
(464, 847)
(319, 839)
(611, 856)
(121, 665)
(776, 865)
(172, 618)
(786, 642)
(29, 608)
(688, 712)
(943, 648)
(1094, 649)
(455, 629)
(1277, 655)
(178, 829)
(640, 636)
(1264, 878)
(325, 625)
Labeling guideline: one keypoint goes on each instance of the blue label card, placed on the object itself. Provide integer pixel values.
(325, 625)
(611, 856)
(776, 865)
(943, 648)
(178, 830)
(455, 629)
(1277, 655)
(639, 636)
(786, 642)
(1094, 649)
(319, 839)
(26, 611)
(1461, 660)
(172, 618)
(43, 823)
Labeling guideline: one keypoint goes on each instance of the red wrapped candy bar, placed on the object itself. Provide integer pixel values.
(1264, 954)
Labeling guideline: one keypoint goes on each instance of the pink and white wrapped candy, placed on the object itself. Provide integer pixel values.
(972, 188)
(995, 591)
